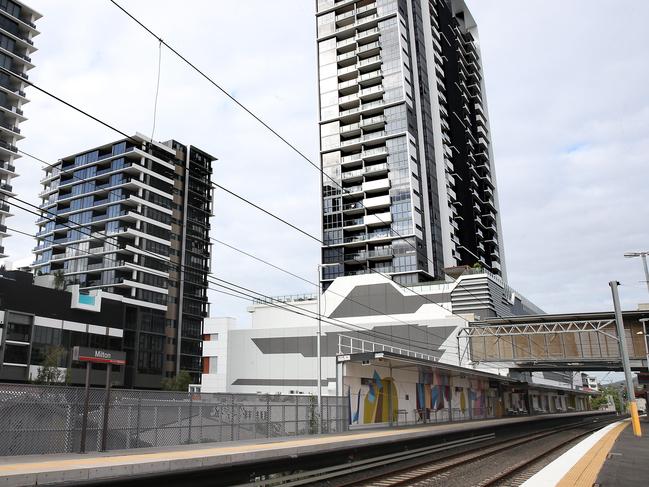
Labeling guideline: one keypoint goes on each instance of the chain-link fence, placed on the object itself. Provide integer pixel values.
(48, 419)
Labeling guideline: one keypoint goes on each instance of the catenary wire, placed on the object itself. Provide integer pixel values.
(258, 119)
(234, 194)
(265, 298)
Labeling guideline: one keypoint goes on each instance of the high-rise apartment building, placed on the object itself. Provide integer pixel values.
(409, 186)
(132, 218)
(17, 29)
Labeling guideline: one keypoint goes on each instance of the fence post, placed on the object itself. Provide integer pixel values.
(231, 417)
(84, 414)
(191, 398)
(104, 431)
(137, 427)
(297, 415)
(268, 421)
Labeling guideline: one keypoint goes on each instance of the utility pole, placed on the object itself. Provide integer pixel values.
(319, 354)
(633, 406)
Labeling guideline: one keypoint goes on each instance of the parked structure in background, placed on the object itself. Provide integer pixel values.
(132, 218)
(277, 354)
(409, 186)
(17, 30)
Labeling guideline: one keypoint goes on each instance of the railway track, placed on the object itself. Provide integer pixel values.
(454, 460)
(466, 468)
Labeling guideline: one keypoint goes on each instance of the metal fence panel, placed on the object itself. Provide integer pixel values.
(37, 419)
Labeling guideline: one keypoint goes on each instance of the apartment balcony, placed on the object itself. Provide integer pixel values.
(345, 19)
(348, 87)
(7, 148)
(373, 123)
(380, 254)
(346, 59)
(348, 101)
(370, 49)
(378, 219)
(7, 189)
(370, 78)
(489, 216)
(351, 159)
(368, 35)
(355, 175)
(346, 45)
(374, 154)
(365, 10)
(351, 129)
(376, 202)
(371, 93)
(6, 167)
(354, 240)
(369, 64)
(353, 223)
(376, 186)
(355, 257)
(352, 208)
(377, 169)
(352, 191)
(347, 73)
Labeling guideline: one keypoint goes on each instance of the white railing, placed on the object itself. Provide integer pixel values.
(348, 345)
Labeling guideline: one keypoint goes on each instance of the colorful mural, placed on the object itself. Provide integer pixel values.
(376, 404)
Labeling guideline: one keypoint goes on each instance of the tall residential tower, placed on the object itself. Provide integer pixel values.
(132, 218)
(17, 29)
(409, 186)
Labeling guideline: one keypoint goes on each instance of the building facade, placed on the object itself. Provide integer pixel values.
(132, 218)
(408, 185)
(36, 318)
(276, 353)
(17, 30)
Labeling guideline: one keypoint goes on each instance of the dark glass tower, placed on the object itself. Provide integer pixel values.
(410, 187)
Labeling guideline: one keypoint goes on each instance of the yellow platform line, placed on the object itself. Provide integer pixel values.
(584, 472)
(112, 460)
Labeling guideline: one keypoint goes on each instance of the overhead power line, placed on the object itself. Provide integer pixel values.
(70, 105)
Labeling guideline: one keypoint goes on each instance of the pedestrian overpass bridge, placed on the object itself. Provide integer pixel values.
(582, 341)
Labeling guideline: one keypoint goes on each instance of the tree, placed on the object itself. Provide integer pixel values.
(49, 372)
(602, 399)
(178, 383)
(59, 280)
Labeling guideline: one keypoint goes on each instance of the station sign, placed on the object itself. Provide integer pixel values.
(98, 356)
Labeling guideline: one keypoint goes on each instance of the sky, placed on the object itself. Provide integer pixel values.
(568, 105)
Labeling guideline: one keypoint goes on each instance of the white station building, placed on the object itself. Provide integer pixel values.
(276, 352)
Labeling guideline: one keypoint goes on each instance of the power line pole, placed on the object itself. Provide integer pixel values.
(633, 406)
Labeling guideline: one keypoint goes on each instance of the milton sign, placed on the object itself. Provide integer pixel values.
(97, 356)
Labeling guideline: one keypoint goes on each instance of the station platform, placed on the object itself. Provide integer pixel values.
(149, 465)
(610, 457)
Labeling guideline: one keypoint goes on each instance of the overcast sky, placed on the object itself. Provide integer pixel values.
(569, 112)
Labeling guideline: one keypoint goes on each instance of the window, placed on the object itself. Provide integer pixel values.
(214, 367)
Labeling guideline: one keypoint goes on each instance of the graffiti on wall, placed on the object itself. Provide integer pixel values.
(381, 394)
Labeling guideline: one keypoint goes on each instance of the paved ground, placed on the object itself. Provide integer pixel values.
(627, 463)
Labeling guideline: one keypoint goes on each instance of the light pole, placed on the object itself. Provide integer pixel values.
(318, 350)
(633, 406)
(643, 255)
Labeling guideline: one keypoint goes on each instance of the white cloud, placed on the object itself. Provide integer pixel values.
(566, 85)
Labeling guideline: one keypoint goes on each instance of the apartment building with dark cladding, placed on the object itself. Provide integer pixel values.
(17, 30)
(132, 217)
(35, 317)
(409, 187)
